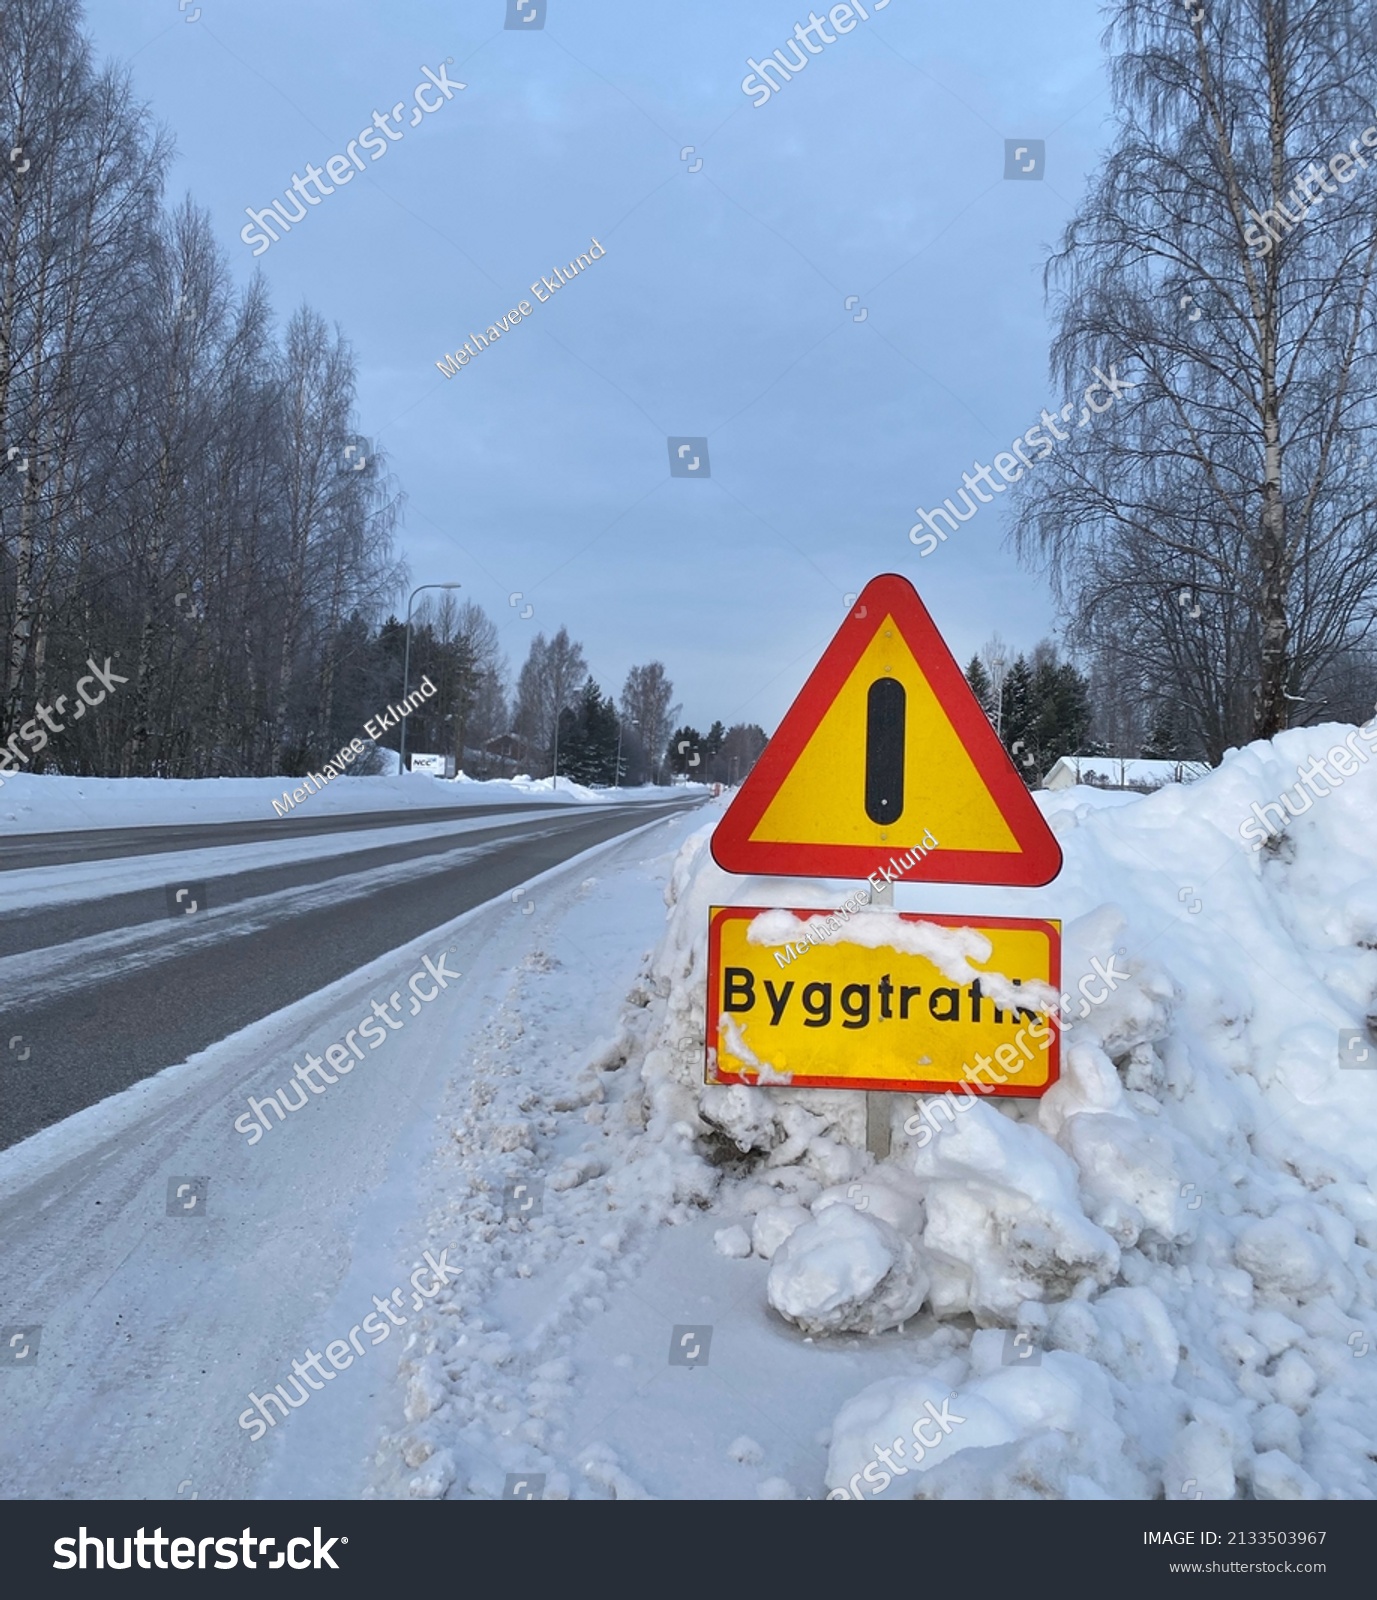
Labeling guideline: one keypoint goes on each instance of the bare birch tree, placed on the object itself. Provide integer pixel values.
(1210, 530)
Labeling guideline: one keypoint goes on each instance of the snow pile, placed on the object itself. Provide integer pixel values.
(1159, 1280)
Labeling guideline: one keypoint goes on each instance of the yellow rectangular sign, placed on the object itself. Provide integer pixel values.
(887, 1000)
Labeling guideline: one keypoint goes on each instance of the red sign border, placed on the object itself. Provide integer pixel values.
(890, 594)
(717, 915)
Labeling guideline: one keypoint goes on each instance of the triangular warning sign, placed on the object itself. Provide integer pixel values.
(885, 748)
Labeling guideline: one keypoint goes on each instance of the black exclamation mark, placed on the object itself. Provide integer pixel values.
(884, 751)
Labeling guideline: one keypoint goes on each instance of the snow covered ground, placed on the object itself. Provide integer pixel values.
(1157, 1281)
(157, 1326)
(43, 803)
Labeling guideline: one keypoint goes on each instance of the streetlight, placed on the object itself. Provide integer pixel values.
(554, 770)
(998, 660)
(617, 773)
(406, 669)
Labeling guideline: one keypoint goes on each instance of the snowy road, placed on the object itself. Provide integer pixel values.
(105, 987)
(100, 844)
(150, 1326)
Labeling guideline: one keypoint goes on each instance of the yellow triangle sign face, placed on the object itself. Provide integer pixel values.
(886, 748)
(822, 801)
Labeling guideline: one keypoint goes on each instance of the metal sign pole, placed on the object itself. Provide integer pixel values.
(877, 1101)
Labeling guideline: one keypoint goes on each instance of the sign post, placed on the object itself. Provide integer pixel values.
(878, 1128)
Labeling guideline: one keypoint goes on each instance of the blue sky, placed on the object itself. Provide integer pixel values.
(719, 309)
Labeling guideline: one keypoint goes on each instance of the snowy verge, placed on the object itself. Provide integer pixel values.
(46, 803)
(1159, 1280)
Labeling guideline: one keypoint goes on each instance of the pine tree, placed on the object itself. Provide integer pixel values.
(588, 738)
(981, 687)
(1059, 704)
(686, 752)
(1018, 709)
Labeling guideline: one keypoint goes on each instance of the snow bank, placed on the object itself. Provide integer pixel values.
(1159, 1280)
(46, 803)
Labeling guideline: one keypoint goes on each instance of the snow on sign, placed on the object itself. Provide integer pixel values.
(884, 746)
(894, 1000)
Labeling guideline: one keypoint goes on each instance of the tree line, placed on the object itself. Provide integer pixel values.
(184, 489)
(1039, 705)
(554, 716)
(182, 485)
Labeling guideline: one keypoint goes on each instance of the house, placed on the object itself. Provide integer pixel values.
(1122, 772)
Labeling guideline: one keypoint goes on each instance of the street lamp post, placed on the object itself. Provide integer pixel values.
(999, 661)
(554, 770)
(617, 774)
(406, 668)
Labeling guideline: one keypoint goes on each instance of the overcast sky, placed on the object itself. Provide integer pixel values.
(719, 308)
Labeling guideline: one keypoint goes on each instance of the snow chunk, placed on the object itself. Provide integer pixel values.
(1004, 1219)
(775, 1489)
(734, 1242)
(1041, 1428)
(1276, 1477)
(773, 1226)
(846, 1272)
(889, 1193)
(950, 950)
(427, 1389)
(1279, 1256)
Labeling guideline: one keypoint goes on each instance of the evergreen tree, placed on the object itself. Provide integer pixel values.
(588, 738)
(1060, 707)
(981, 687)
(741, 749)
(686, 753)
(1018, 711)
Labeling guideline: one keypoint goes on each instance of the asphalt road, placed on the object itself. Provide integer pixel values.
(102, 844)
(148, 991)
